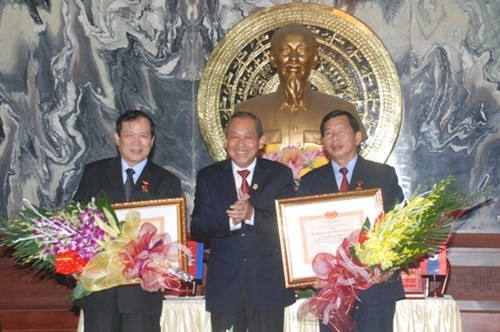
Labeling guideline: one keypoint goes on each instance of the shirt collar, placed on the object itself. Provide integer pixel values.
(250, 167)
(350, 167)
(137, 168)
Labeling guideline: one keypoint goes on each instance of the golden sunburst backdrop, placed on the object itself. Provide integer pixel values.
(354, 65)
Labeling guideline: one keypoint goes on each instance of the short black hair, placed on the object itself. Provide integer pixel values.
(246, 115)
(133, 115)
(335, 113)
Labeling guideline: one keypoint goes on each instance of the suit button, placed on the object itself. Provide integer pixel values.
(243, 259)
(242, 234)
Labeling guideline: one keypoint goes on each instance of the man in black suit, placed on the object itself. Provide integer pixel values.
(126, 308)
(245, 288)
(341, 137)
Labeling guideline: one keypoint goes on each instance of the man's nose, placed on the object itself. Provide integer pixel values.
(294, 55)
(335, 136)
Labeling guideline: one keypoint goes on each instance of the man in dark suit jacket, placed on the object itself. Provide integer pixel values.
(245, 287)
(126, 308)
(341, 138)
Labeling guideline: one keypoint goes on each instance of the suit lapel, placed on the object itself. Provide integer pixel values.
(330, 183)
(359, 173)
(146, 175)
(259, 177)
(115, 178)
(227, 182)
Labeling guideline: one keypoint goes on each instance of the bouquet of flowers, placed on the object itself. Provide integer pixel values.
(88, 242)
(301, 161)
(372, 255)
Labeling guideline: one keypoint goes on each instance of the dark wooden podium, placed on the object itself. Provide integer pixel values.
(31, 302)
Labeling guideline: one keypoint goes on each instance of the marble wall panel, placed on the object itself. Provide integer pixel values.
(69, 67)
(455, 99)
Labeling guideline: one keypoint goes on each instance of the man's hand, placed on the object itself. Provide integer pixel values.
(241, 209)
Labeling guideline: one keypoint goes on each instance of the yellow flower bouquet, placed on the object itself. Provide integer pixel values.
(372, 255)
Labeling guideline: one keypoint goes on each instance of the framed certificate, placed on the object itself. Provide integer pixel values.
(167, 215)
(313, 224)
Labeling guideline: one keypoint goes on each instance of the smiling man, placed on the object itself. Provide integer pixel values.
(234, 210)
(126, 308)
(347, 171)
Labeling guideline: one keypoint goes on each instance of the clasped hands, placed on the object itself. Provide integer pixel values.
(241, 210)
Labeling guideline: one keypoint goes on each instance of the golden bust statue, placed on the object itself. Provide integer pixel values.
(292, 114)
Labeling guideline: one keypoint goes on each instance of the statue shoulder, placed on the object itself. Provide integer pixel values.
(323, 100)
(267, 101)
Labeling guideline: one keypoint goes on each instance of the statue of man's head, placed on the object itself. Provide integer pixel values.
(294, 53)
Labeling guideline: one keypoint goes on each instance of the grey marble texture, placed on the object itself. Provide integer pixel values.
(69, 67)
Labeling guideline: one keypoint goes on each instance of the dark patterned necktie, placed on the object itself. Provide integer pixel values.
(245, 187)
(129, 183)
(344, 185)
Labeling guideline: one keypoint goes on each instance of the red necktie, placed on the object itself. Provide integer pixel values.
(344, 186)
(245, 188)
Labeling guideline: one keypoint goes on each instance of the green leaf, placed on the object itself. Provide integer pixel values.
(79, 292)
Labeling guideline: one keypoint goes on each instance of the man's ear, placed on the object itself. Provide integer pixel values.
(272, 60)
(358, 137)
(262, 142)
(117, 139)
(315, 61)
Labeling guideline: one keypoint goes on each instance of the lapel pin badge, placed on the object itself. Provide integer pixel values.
(359, 185)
